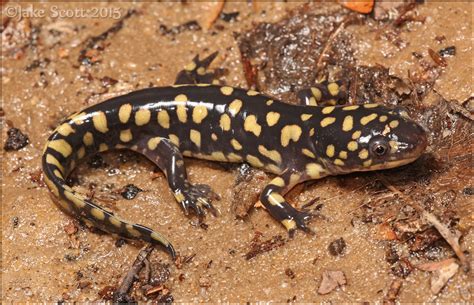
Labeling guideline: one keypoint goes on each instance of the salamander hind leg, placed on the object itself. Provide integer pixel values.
(169, 159)
(197, 72)
(272, 198)
(324, 94)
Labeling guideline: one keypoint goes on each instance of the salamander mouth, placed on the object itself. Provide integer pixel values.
(389, 164)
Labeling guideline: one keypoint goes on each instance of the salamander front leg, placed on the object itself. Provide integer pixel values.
(167, 156)
(323, 94)
(279, 208)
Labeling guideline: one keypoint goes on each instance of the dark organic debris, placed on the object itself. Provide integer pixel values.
(90, 53)
(249, 183)
(228, 17)
(96, 161)
(192, 25)
(337, 247)
(393, 291)
(448, 51)
(130, 191)
(257, 247)
(121, 294)
(16, 140)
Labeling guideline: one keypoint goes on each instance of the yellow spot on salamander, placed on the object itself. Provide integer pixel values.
(115, 221)
(368, 118)
(290, 133)
(311, 132)
(352, 146)
(383, 118)
(191, 66)
(81, 152)
(126, 135)
(142, 117)
(356, 135)
(330, 150)
(275, 199)
(393, 124)
(218, 156)
(252, 93)
(339, 162)
(201, 71)
(163, 119)
(97, 214)
(159, 238)
(312, 101)
(153, 143)
(100, 122)
(305, 116)
(235, 144)
(103, 147)
(348, 123)
(333, 89)
(77, 199)
(58, 174)
(270, 154)
(272, 118)
(343, 154)
(254, 161)
(308, 153)
(251, 125)
(328, 110)
(232, 157)
(78, 118)
(225, 122)
(289, 224)
(124, 113)
(278, 181)
(50, 159)
(65, 129)
(214, 137)
(88, 139)
(368, 106)
(272, 168)
(181, 98)
(363, 154)
(52, 187)
(352, 107)
(327, 121)
(174, 139)
(179, 196)
(235, 107)
(134, 232)
(195, 137)
(367, 163)
(199, 114)
(269, 102)
(318, 95)
(181, 113)
(227, 90)
(61, 146)
(393, 146)
(294, 179)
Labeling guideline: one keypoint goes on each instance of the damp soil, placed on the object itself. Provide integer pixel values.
(371, 243)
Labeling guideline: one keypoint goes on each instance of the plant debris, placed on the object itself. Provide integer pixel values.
(130, 191)
(258, 247)
(16, 140)
(331, 280)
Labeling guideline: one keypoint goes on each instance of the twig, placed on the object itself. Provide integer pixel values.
(332, 37)
(451, 238)
(213, 14)
(120, 294)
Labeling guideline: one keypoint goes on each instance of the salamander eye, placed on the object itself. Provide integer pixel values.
(379, 148)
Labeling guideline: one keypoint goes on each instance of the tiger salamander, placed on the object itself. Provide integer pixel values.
(220, 123)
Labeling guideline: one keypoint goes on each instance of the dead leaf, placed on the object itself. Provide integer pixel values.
(360, 6)
(441, 276)
(331, 280)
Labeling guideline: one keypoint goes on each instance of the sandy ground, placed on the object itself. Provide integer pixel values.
(43, 82)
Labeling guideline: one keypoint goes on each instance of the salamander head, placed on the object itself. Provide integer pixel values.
(366, 138)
